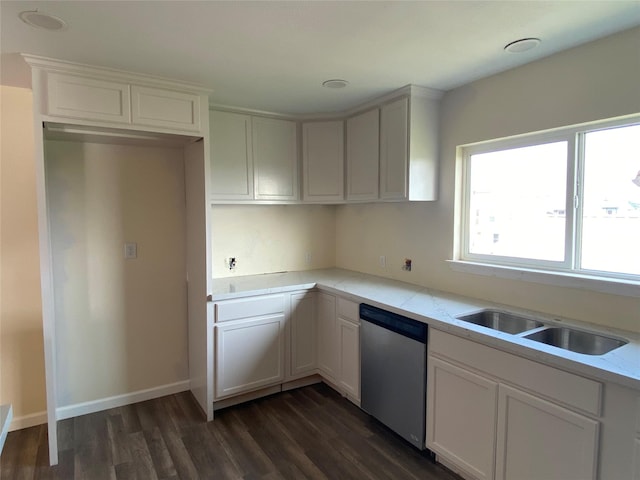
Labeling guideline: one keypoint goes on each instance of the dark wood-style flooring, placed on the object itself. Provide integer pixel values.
(310, 432)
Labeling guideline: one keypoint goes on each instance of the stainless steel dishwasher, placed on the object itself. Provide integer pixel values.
(393, 353)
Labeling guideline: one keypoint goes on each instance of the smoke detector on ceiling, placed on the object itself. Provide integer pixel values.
(522, 45)
(42, 20)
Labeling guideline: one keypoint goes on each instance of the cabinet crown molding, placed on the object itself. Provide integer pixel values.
(106, 73)
(407, 90)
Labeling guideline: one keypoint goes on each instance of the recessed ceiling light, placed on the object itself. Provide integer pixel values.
(522, 45)
(42, 20)
(335, 83)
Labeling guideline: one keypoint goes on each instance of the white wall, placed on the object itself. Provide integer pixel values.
(272, 238)
(21, 342)
(120, 324)
(591, 82)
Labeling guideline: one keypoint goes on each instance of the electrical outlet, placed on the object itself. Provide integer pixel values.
(308, 258)
(231, 263)
(382, 261)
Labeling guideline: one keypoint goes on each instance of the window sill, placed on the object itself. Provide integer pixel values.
(626, 288)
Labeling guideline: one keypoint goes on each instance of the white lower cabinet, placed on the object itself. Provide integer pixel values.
(249, 354)
(327, 334)
(482, 424)
(338, 337)
(302, 334)
(462, 423)
(267, 340)
(540, 440)
(349, 346)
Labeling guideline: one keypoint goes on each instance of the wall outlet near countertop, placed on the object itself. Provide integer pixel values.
(231, 263)
(382, 261)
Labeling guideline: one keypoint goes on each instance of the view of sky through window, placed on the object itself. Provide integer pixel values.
(518, 202)
(611, 200)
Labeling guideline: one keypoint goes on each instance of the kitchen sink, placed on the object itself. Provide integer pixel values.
(576, 340)
(502, 321)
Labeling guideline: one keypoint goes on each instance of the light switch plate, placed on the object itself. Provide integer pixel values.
(130, 250)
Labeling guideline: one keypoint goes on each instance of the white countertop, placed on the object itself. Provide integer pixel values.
(440, 309)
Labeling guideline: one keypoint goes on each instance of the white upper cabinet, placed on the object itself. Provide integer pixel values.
(231, 157)
(73, 96)
(409, 147)
(253, 158)
(158, 107)
(323, 161)
(394, 150)
(95, 96)
(390, 151)
(363, 156)
(275, 159)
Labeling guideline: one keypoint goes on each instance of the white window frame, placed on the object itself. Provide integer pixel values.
(542, 271)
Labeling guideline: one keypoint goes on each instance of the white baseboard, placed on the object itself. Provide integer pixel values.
(26, 421)
(93, 406)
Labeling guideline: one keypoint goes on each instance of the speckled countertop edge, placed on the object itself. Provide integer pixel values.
(439, 310)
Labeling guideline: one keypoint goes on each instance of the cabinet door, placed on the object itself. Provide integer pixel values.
(249, 354)
(86, 98)
(303, 333)
(275, 159)
(349, 344)
(323, 161)
(461, 417)
(541, 440)
(363, 156)
(394, 150)
(327, 335)
(231, 159)
(157, 107)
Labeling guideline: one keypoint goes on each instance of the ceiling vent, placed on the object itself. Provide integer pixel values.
(42, 20)
(335, 83)
(522, 45)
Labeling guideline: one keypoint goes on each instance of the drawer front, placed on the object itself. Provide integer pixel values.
(348, 310)
(570, 389)
(165, 108)
(86, 98)
(248, 307)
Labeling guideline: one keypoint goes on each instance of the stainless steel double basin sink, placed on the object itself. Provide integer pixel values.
(579, 341)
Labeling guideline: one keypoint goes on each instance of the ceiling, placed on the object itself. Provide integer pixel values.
(274, 55)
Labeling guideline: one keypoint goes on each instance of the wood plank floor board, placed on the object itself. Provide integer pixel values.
(118, 440)
(141, 457)
(182, 461)
(160, 456)
(208, 455)
(247, 452)
(308, 433)
(281, 445)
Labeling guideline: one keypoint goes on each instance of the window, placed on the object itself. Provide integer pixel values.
(566, 201)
